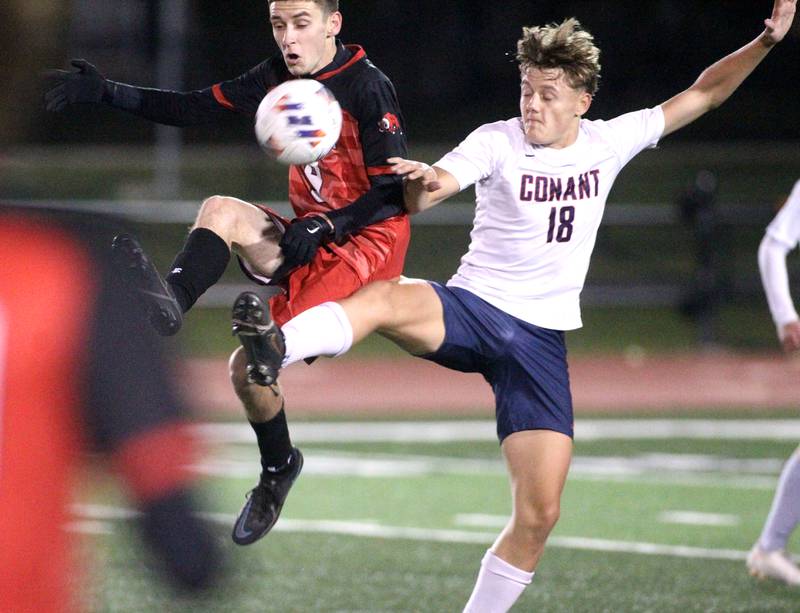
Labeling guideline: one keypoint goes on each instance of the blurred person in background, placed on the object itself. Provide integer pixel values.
(81, 370)
(768, 557)
(350, 229)
(541, 183)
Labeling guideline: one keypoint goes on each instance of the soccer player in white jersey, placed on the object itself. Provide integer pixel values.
(541, 183)
(768, 558)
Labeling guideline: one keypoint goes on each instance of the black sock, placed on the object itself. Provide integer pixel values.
(199, 266)
(273, 442)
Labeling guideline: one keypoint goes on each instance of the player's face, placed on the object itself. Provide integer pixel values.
(550, 107)
(305, 34)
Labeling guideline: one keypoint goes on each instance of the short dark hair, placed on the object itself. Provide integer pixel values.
(328, 6)
(566, 46)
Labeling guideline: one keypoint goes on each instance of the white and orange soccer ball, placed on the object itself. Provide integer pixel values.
(298, 122)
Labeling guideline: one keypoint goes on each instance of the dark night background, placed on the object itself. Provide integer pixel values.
(447, 60)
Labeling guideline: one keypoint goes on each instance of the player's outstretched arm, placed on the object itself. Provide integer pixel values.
(82, 86)
(86, 85)
(719, 81)
(425, 186)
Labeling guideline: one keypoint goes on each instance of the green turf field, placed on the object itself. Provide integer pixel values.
(648, 524)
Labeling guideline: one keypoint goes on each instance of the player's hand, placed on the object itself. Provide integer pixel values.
(416, 171)
(86, 85)
(302, 239)
(778, 25)
(790, 336)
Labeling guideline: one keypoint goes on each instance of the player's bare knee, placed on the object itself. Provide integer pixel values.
(213, 206)
(217, 213)
(537, 519)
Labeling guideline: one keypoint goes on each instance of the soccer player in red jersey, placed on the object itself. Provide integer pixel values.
(350, 229)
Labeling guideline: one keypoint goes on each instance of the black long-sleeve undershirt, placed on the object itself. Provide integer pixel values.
(167, 107)
(382, 201)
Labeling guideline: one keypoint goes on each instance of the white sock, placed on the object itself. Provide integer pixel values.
(785, 512)
(498, 587)
(321, 330)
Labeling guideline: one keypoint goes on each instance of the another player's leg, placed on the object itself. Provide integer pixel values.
(223, 224)
(281, 463)
(538, 461)
(768, 557)
(327, 329)
(254, 371)
(407, 312)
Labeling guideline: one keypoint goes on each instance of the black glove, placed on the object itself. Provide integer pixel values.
(84, 86)
(302, 239)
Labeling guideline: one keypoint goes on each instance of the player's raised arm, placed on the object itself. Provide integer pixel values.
(425, 186)
(720, 80)
(85, 84)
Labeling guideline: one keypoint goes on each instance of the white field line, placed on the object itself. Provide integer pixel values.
(373, 530)
(696, 518)
(671, 469)
(484, 430)
(653, 549)
(480, 520)
(684, 480)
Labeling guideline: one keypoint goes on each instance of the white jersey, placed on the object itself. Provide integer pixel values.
(784, 231)
(785, 228)
(538, 210)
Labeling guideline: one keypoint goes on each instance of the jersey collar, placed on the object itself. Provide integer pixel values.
(346, 56)
(568, 156)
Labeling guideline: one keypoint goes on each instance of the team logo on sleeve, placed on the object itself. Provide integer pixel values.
(389, 123)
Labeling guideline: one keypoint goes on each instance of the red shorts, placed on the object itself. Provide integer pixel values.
(337, 271)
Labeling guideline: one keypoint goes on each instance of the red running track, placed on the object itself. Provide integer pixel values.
(599, 383)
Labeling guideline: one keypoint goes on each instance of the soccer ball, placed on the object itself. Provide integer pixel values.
(298, 122)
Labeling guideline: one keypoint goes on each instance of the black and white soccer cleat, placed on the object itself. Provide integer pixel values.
(160, 305)
(261, 338)
(265, 501)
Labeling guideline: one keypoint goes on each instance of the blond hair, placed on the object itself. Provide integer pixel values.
(566, 46)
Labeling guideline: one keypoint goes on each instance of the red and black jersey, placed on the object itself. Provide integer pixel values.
(353, 184)
(371, 131)
(79, 369)
(354, 180)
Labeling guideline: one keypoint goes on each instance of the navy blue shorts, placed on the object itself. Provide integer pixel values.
(525, 365)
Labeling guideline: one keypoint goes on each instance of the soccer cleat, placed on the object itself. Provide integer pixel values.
(265, 501)
(261, 338)
(772, 565)
(161, 307)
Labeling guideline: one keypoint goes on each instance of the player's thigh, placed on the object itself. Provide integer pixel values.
(406, 311)
(538, 462)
